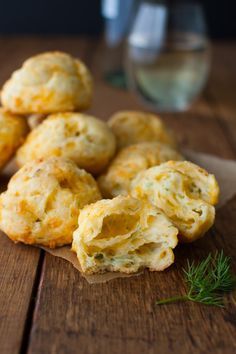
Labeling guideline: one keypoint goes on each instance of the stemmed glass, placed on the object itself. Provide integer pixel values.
(168, 54)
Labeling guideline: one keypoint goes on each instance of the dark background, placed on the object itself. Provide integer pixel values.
(83, 17)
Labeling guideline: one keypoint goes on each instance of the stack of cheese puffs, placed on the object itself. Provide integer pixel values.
(119, 192)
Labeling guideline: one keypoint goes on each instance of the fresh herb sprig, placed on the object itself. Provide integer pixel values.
(207, 281)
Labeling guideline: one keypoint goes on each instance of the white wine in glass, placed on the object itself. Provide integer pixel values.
(168, 57)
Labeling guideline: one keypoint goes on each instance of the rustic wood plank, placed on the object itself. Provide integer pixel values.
(17, 278)
(72, 316)
(20, 265)
(121, 316)
(19, 273)
(222, 87)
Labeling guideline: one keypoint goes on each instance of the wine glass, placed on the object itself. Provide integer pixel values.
(168, 54)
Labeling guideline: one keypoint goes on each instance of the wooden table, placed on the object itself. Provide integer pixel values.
(46, 306)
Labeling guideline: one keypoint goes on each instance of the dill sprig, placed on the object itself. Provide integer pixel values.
(207, 281)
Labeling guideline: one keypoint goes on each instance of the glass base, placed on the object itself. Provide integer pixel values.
(172, 108)
(178, 105)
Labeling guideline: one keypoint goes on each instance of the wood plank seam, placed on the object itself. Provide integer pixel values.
(32, 304)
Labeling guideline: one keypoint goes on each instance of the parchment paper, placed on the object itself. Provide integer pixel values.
(225, 172)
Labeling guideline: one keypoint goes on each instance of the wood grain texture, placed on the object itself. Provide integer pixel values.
(20, 265)
(71, 316)
(17, 278)
(121, 317)
(221, 88)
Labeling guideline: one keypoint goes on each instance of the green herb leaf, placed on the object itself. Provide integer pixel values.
(207, 281)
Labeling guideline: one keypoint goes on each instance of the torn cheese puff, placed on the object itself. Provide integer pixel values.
(82, 138)
(185, 192)
(43, 200)
(48, 83)
(13, 130)
(131, 127)
(124, 235)
(131, 160)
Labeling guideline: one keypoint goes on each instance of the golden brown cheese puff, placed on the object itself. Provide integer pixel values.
(43, 200)
(47, 83)
(184, 191)
(131, 127)
(129, 162)
(124, 235)
(84, 139)
(13, 130)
